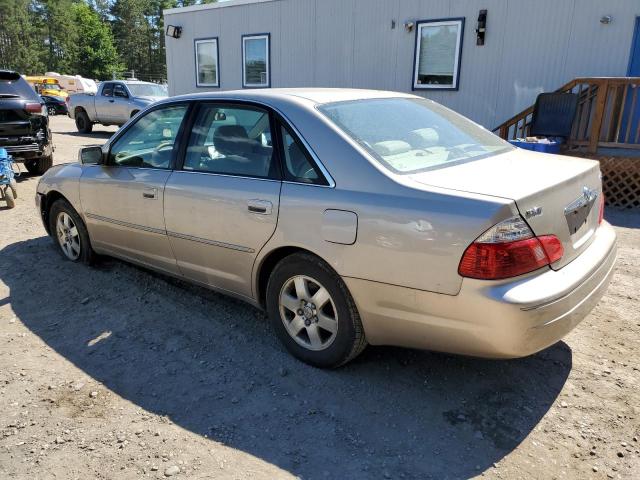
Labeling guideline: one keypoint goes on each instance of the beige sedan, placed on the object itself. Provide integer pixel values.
(350, 216)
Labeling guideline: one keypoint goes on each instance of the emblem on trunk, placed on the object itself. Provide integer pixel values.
(533, 212)
(577, 212)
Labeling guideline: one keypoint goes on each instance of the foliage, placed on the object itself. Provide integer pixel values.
(94, 38)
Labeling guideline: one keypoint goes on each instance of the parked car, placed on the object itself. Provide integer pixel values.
(54, 105)
(114, 104)
(350, 216)
(24, 124)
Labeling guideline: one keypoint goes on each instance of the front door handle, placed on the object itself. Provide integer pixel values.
(262, 207)
(150, 193)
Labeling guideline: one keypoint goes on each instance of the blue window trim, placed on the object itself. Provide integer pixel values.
(195, 52)
(456, 85)
(252, 35)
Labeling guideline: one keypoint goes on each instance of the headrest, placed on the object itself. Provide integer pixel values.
(232, 140)
(424, 138)
(391, 147)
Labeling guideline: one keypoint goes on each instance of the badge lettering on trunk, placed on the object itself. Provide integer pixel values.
(533, 212)
(577, 212)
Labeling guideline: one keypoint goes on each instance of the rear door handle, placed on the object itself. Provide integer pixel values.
(262, 207)
(150, 193)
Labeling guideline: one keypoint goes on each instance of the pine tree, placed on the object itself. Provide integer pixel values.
(97, 56)
(21, 45)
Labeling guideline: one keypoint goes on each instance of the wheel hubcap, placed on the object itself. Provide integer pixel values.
(68, 236)
(308, 313)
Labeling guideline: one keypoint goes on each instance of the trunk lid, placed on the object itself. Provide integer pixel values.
(555, 194)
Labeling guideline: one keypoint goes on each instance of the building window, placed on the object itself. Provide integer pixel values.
(207, 72)
(255, 60)
(437, 54)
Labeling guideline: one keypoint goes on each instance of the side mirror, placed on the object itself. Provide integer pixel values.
(90, 155)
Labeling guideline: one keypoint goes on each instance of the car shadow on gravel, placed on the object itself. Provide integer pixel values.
(212, 365)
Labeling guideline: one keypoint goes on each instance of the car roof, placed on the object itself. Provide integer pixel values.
(311, 95)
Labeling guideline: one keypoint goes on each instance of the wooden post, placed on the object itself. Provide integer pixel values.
(596, 122)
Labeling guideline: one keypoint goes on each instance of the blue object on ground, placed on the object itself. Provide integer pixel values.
(551, 147)
(6, 172)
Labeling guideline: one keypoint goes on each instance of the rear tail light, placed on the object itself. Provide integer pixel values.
(601, 212)
(33, 107)
(507, 250)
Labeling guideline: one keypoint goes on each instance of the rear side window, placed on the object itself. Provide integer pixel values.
(13, 85)
(298, 165)
(232, 140)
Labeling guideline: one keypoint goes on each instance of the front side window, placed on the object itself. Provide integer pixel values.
(232, 140)
(437, 54)
(207, 74)
(410, 135)
(149, 142)
(119, 91)
(255, 60)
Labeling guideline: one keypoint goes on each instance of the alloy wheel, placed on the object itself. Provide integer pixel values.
(308, 313)
(68, 236)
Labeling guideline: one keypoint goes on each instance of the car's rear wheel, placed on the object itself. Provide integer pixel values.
(39, 165)
(70, 233)
(313, 313)
(83, 124)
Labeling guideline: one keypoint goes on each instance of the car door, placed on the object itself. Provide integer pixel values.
(103, 102)
(123, 198)
(121, 103)
(221, 207)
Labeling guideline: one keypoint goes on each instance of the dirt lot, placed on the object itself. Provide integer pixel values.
(116, 372)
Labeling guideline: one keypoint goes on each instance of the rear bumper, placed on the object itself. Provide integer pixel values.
(498, 319)
(26, 148)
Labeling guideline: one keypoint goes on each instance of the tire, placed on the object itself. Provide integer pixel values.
(9, 197)
(60, 211)
(83, 124)
(39, 165)
(324, 348)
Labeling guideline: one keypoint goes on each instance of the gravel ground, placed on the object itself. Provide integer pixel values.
(115, 372)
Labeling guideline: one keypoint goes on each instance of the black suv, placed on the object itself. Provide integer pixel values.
(24, 124)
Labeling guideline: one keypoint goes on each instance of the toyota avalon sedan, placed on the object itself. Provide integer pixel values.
(352, 217)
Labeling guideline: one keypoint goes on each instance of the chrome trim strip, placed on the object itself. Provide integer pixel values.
(126, 224)
(230, 246)
(199, 172)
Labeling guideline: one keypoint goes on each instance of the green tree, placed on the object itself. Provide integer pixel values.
(21, 46)
(56, 20)
(96, 55)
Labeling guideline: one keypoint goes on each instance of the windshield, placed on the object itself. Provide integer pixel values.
(409, 135)
(49, 86)
(147, 90)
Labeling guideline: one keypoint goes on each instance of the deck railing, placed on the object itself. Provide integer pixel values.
(608, 115)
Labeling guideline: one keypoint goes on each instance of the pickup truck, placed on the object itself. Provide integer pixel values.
(114, 104)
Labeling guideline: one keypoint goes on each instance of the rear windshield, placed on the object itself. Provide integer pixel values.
(409, 135)
(143, 90)
(13, 85)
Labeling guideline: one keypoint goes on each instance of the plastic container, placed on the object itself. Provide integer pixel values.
(551, 147)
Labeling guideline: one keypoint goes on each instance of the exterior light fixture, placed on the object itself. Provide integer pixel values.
(481, 29)
(606, 19)
(408, 26)
(173, 31)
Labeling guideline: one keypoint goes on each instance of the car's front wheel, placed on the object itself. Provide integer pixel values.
(70, 233)
(313, 312)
